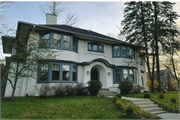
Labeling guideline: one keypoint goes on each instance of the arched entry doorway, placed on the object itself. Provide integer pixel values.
(94, 74)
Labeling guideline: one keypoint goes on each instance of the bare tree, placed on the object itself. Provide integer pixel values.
(52, 7)
(72, 19)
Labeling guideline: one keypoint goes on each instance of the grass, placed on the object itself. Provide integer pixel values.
(77, 107)
(167, 95)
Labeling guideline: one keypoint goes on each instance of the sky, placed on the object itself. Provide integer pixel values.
(102, 17)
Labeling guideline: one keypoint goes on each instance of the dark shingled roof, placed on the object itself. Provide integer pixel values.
(82, 31)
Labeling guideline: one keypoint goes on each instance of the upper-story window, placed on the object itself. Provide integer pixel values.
(122, 51)
(141, 60)
(59, 41)
(95, 47)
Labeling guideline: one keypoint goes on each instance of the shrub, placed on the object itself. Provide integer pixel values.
(115, 98)
(173, 100)
(146, 95)
(69, 89)
(129, 110)
(137, 88)
(59, 90)
(119, 104)
(94, 87)
(161, 96)
(80, 89)
(148, 83)
(125, 87)
(43, 90)
(145, 91)
(118, 95)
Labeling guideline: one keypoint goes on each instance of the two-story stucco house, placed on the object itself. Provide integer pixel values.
(84, 55)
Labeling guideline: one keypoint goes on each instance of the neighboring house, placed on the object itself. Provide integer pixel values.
(84, 55)
(166, 79)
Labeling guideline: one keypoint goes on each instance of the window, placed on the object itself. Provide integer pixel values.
(122, 52)
(131, 76)
(65, 72)
(44, 72)
(117, 75)
(140, 60)
(57, 72)
(59, 41)
(142, 80)
(124, 74)
(66, 42)
(74, 73)
(45, 42)
(75, 45)
(95, 47)
(116, 50)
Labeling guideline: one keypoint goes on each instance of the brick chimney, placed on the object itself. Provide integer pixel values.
(51, 19)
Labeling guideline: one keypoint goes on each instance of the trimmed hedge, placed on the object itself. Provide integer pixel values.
(161, 96)
(147, 96)
(94, 86)
(125, 87)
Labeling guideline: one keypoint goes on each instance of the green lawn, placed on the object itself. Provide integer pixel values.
(77, 107)
(167, 95)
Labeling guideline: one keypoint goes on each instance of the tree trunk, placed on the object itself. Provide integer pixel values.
(157, 51)
(15, 82)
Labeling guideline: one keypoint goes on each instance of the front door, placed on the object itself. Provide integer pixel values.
(94, 74)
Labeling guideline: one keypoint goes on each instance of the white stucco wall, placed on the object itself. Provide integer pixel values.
(27, 85)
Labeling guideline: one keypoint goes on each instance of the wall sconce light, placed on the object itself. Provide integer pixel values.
(109, 73)
(88, 72)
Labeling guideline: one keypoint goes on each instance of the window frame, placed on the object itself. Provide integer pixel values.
(122, 74)
(121, 52)
(49, 80)
(98, 47)
(61, 41)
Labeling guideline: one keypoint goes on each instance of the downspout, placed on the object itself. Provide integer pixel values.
(28, 80)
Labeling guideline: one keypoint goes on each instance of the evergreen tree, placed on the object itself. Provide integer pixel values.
(149, 23)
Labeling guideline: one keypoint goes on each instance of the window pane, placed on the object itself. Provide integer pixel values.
(131, 75)
(100, 48)
(95, 47)
(124, 53)
(129, 52)
(56, 40)
(45, 40)
(55, 72)
(44, 72)
(140, 61)
(65, 72)
(125, 73)
(74, 73)
(118, 75)
(74, 45)
(116, 50)
(66, 42)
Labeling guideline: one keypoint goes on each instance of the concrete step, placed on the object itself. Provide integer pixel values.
(153, 109)
(143, 103)
(148, 106)
(158, 112)
(141, 100)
